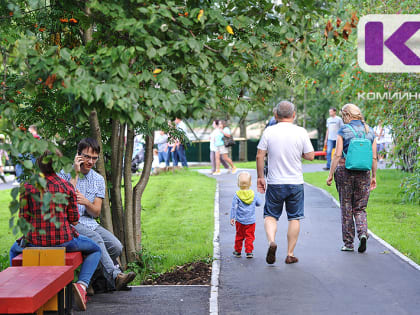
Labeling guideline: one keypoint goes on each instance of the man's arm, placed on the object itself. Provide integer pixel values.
(76, 165)
(261, 185)
(309, 156)
(326, 138)
(92, 208)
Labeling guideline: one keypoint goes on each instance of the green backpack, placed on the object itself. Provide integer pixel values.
(359, 153)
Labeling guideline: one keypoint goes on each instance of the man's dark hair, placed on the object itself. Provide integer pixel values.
(334, 109)
(45, 162)
(88, 143)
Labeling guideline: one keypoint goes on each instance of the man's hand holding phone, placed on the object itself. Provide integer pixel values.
(78, 162)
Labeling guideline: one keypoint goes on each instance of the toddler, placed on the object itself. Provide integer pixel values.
(243, 215)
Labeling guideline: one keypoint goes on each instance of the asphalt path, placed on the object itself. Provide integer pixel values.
(325, 280)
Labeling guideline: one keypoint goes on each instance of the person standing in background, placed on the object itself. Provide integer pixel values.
(180, 148)
(162, 146)
(334, 123)
(213, 148)
(3, 153)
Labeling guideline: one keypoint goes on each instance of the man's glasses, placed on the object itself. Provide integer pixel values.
(88, 157)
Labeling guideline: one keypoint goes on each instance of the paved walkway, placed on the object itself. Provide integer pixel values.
(325, 281)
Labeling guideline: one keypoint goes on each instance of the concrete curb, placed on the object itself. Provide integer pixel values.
(214, 291)
(376, 237)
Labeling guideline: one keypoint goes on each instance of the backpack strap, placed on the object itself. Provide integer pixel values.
(354, 132)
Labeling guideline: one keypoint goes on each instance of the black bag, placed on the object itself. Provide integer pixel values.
(228, 141)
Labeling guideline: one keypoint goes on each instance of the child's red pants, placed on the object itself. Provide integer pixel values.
(247, 233)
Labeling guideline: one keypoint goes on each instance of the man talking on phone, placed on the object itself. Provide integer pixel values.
(90, 192)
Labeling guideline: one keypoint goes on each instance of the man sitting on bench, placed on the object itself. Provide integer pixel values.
(45, 233)
(90, 191)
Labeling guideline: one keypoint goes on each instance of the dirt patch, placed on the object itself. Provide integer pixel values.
(189, 274)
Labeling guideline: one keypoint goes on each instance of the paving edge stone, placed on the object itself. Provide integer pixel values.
(376, 237)
(214, 291)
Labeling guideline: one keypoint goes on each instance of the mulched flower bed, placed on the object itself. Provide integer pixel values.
(189, 274)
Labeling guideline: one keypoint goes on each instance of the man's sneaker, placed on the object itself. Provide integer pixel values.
(249, 255)
(236, 254)
(123, 279)
(271, 253)
(79, 296)
(347, 249)
(362, 244)
(217, 173)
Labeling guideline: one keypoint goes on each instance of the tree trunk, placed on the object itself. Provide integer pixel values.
(95, 129)
(106, 219)
(130, 245)
(117, 146)
(243, 145)
(139, 189)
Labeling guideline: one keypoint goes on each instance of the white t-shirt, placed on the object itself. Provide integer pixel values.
(334, 124)
(285, 143)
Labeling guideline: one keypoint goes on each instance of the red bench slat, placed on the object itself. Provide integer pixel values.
(73, 259)
(320, 153)
(26, 289)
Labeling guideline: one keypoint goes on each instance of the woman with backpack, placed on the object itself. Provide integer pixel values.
(354, 160)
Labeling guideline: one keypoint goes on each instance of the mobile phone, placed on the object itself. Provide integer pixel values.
(80, 154)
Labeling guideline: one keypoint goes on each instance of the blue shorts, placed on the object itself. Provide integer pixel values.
(277, 195)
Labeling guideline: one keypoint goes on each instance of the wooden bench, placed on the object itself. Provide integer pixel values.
(320, 153)
(73, 259)
(50, 256)
(27, 289)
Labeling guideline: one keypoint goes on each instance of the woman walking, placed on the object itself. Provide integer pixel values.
(353, 186)
(221, 150)
(213, 148)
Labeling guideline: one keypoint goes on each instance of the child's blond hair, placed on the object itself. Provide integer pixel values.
(244, 180)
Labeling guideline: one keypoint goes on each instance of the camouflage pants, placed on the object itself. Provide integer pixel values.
(353, 189)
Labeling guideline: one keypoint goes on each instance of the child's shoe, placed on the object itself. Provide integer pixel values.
(236, 254)
(249, 255)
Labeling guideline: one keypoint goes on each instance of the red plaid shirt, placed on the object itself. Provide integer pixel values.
(32, 213)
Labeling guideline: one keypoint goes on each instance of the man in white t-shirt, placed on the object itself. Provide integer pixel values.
(334, 123)
(285, 144)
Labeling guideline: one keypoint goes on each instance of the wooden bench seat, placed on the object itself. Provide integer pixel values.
(27, 289)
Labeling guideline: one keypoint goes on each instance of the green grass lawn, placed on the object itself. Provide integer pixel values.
(177, 221)
(388, 217)
(252, 164)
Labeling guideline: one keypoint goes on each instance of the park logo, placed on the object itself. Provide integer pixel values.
(389, 43)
